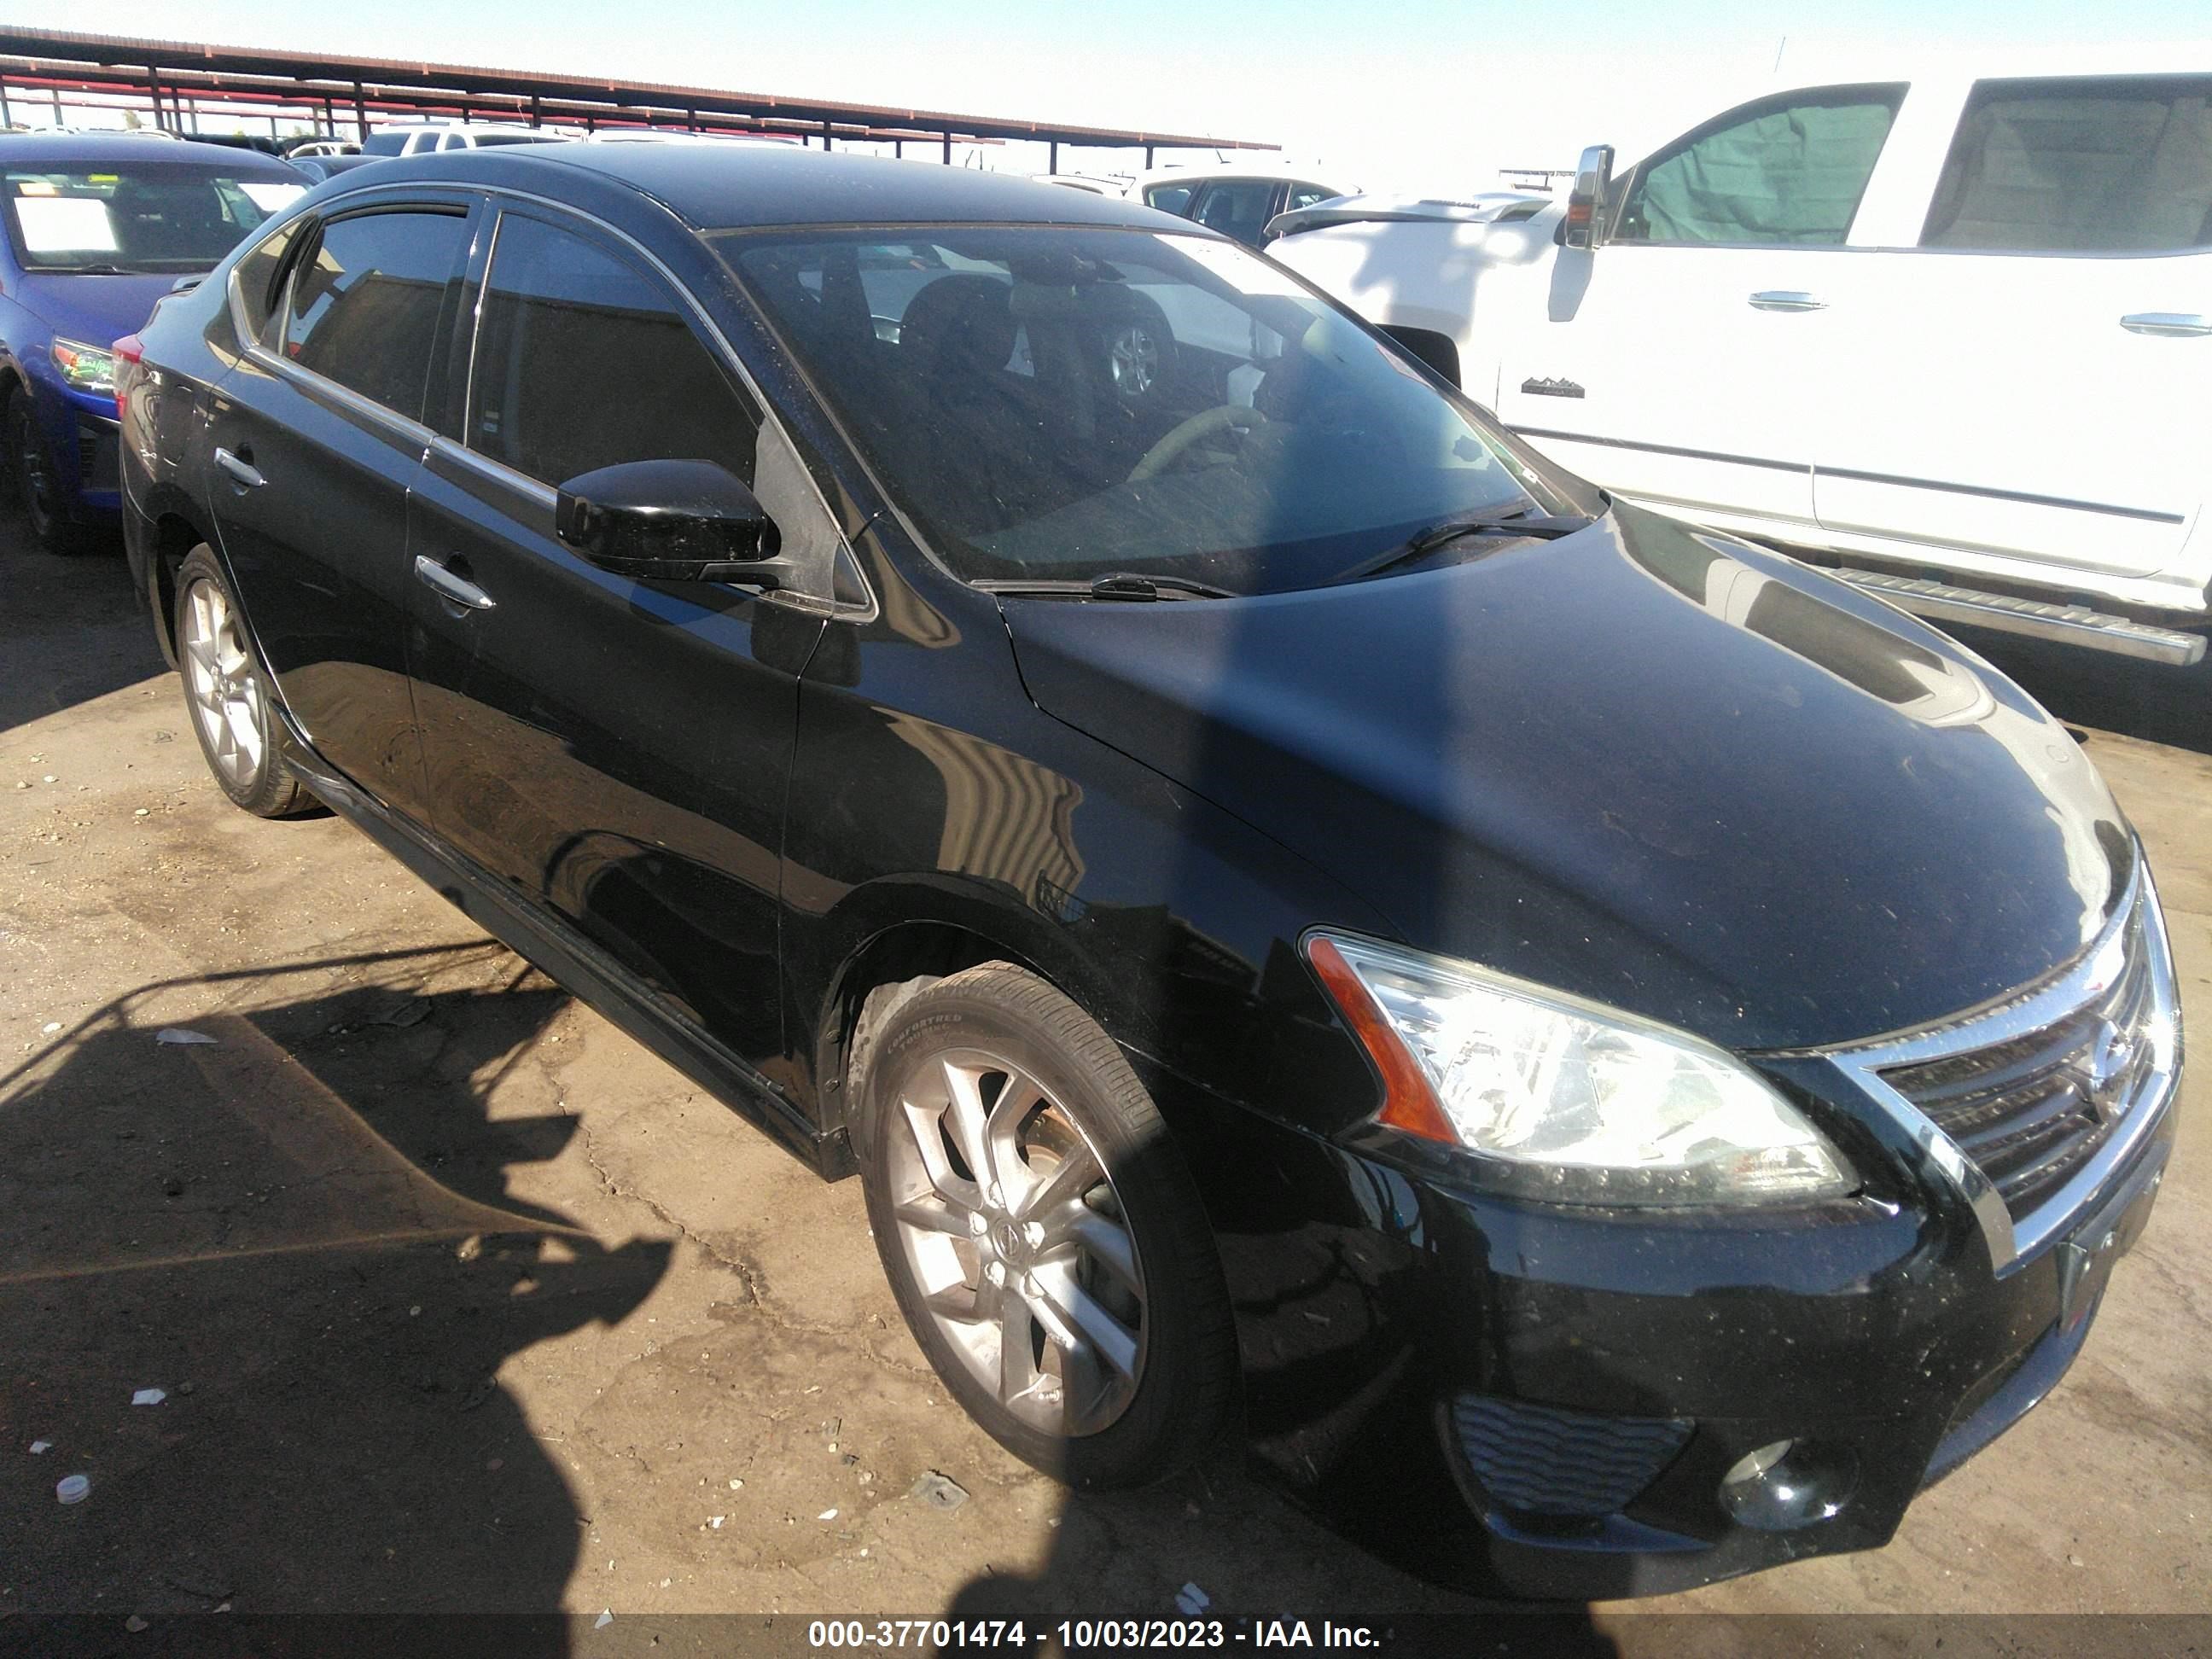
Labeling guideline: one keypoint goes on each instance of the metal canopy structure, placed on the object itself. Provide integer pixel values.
(170, 80)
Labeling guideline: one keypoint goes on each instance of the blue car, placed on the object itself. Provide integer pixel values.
(99, 229)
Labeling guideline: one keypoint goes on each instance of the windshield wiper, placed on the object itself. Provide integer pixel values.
(1547, 527)
(1114, 585)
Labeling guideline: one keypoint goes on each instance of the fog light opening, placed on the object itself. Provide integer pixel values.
(1790, 1484)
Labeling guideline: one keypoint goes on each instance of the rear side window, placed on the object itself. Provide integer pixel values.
(1304, 196)
(256, 276)
(2104, 165)
(583, 360)
(1788, 171)
(1168, 198)
(364, 302)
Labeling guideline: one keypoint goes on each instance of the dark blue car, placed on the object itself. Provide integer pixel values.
(99, 229)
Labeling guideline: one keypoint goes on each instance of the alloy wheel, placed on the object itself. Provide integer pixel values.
(226, 690)
(1018, 1242)
(1133, 357)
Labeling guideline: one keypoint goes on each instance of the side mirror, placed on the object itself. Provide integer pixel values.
(671, 521)
(1584, 225)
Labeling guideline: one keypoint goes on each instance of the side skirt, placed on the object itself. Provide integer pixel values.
(582, 967)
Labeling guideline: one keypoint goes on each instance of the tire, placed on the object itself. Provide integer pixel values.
(1139, 349)
(1104, 1355)
(227, 696)
(31, 469)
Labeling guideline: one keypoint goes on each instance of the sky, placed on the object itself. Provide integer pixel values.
(1425, 93)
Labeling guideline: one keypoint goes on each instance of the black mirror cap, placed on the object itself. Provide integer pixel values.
(669, 521)
(1584, 223)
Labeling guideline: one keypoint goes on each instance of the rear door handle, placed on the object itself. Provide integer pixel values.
(459, 589)
(2167, 324)
(1785, 299)
(243, 473)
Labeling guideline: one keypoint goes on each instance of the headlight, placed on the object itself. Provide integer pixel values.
(1564, 1100)
(88, 368)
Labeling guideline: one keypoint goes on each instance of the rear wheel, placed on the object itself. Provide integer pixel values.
(37, 488)
(226, 689)
(1045, 1241)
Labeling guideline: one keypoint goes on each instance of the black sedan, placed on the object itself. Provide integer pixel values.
(1609, 1059)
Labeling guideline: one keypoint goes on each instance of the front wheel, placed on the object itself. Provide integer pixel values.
(37, 491)
(226, 689)
(1044, 1238)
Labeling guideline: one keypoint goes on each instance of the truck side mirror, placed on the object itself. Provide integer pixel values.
(1584, 225)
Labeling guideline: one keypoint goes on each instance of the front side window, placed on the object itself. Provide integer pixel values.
(1788, 171)
(134, 217)
(583, 360)
(1059, 404)
(364, 302)
(2106, 166)
(1238, 208)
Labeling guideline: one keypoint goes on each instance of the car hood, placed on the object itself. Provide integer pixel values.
(1644, 763)
(95, 310)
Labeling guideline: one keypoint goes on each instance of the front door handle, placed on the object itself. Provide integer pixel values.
(243, 472)
(446, 584)
(2167, 324)
(1785, 299)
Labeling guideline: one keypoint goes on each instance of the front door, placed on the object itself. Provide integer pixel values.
(615, 751)
(1674, 363)
(316, 437)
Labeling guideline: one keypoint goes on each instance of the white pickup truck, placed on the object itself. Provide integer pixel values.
(1950, 333)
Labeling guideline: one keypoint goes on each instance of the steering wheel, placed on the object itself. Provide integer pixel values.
(1204, 424)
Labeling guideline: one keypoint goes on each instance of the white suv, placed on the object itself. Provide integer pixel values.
(418, 137)
(1951, 330)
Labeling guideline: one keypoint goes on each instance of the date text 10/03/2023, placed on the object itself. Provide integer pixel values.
(1085, 1634)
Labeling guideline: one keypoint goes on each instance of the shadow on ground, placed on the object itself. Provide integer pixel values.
(301, 1232)
(70, 629)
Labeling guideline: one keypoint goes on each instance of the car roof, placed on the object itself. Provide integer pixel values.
(68, 149)
(748, 187)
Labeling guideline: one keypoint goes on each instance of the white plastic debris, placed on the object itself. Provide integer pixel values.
(827, 1515)
(39, 1448)
(177, 1037)
(73, 1488)
(50, 1028)
(716, 1521)
(1190, 1600)
(605, 1618)
(149, 1396)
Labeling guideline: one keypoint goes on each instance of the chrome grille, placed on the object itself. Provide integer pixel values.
(2033, 1108)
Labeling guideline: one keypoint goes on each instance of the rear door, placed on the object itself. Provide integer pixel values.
(615, 751)
(316, 436)
(1676, 362)
(2024, 374)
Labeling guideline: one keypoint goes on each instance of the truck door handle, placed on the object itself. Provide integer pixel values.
(1785, 299)
(2167, 324)
(243, 472)
(459, 589)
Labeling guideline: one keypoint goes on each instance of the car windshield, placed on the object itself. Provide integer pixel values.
(387, 142)
(1059, 404)
(134, 217)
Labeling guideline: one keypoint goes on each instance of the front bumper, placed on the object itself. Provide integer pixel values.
(84, 446)
(1884, 1343)
(1550, 1403)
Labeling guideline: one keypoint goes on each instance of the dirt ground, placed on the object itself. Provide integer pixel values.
(463, 1301)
